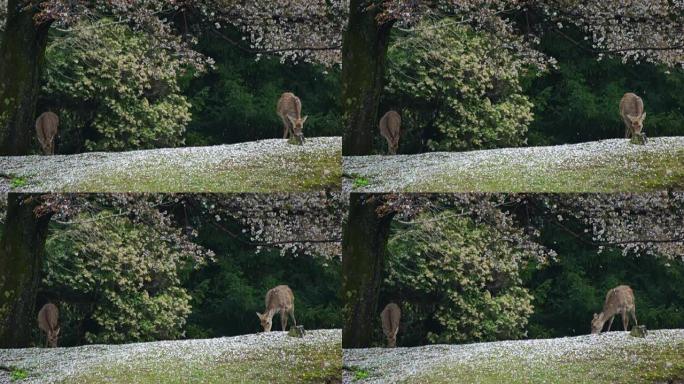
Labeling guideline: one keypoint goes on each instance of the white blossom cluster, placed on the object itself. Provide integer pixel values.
(298, 223)
(644, 223)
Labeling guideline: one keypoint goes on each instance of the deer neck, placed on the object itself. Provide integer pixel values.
(270, 312)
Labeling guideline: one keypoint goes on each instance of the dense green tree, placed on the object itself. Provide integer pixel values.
(112, 91)
(457, 89)
(457, 281)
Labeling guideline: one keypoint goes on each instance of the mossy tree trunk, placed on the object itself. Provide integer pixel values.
(364, 53)
(21, 262)
(363, 262)
(22, 54)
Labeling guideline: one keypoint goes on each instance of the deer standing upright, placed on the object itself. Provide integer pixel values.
(47, 127)
(48, 322)
(390, 129)
(390, 317)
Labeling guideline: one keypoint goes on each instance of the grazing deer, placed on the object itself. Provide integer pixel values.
(290, 111)
(48, 322)
(618, 300)
(279, 299)
(46, 129)
(390, 129)
(632, 112)
(390, 323)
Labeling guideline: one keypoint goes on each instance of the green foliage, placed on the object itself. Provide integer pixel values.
(226, 294)
(568, 292)
(456, 282)
(360, 182)
(456, 89)
(580, 100)
(17, 182)
(111, 91)
(120, 280)
(236, 101)
(18, 374)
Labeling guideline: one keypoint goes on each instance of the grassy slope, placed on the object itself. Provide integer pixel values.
(614, 357)
(607, 166)
(263, 166)
(257, 358)
(301, 364)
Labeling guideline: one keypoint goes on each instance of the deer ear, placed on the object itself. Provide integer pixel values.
(292, 120)
(595, 316)
(57, 331)
(304, 119)
(259, 315)
(396, 331)
(632, 118)
(643, 116)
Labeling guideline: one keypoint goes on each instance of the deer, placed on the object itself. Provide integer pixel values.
(290, 111)
(279, 299)
(633, 115)
(390, 323)
(47, 125)
(618, 300)
(390, 129)
(48, 322)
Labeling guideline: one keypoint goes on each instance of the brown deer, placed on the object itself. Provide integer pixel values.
(279, 299)
(632, 112)
(290, 111)
(618, 300)
(47, 125)
(390, 129)
(48, 322)
(390, 317)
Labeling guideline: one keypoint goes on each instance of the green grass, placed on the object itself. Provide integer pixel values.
(360, 182)
(296, 172)
(655, 172)
(18, 374)
(632, 365)
(303, 364)
(359, 373)
(18, 182)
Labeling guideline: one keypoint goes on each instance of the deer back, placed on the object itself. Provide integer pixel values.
(48, 318)
(390, 317)
(280, 297)
(632, 105)
(617, 299)
(289, 105)
(390, 126)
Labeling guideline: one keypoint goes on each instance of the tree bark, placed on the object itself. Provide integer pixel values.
(364, 53)
(22, 249)
(363, 262)
(22, 54)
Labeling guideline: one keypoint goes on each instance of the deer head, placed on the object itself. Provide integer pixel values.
(266, 321)
(637, 122)
(298, 126)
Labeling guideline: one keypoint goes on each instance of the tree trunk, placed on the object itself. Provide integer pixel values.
(363, 261)
(21, 263)
(364, 52)
(22, 54)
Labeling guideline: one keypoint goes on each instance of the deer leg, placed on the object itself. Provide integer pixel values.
(283, 319)
(610, 323)
(286, 126)
(625, 320)
(293, 317)
(633, 312)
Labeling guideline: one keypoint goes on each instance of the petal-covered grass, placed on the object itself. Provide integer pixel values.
(260, 166)
(614, 357)
(603, 166)
(260, 358)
